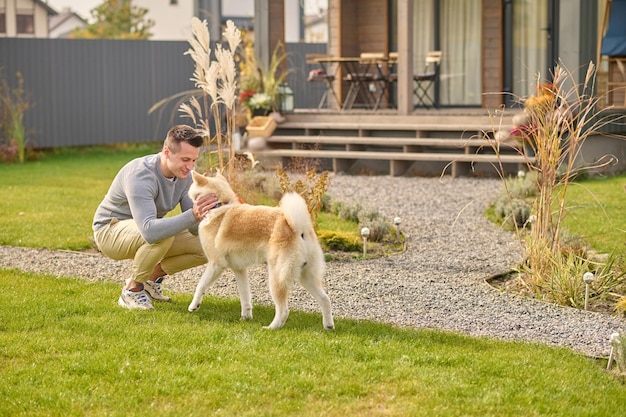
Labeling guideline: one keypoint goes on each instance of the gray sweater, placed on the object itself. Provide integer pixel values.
(141, 192)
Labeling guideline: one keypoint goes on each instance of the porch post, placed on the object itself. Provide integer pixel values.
(212, 9)
(269, 29)
(405, 56)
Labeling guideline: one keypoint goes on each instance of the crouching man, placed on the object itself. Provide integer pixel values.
(131, 222)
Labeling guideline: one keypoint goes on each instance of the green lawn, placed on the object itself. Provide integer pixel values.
(50, 203)
(66, 349)
(596, 212)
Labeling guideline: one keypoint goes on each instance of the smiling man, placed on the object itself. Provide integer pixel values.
(131, 222)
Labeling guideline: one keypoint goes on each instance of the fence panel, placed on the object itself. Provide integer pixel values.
(92, 92)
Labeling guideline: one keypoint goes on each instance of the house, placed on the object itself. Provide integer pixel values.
(61, 25)
(172, 18)
(493, 50)
(24, 18)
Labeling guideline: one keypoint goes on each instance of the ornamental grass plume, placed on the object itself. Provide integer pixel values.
(558, 120)
(217, 81)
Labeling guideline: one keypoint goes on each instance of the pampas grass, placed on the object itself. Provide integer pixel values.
(217, 80)
(559, 122)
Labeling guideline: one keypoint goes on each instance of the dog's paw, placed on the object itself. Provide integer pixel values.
(193, 307)
(329, 327)
(246, 318)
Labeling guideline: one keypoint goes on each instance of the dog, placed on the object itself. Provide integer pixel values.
(236, 235)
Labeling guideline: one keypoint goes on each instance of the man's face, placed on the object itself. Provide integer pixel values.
(180, 163)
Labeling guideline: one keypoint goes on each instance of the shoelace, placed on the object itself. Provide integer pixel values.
(140, 297)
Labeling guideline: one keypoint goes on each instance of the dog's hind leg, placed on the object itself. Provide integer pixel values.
(210, 275)
(279, 290)
(245, 296)
(314, 287)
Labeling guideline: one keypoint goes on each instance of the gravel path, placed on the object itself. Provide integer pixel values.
(439, 282)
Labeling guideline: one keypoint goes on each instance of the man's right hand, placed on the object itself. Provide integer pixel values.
(203, 204)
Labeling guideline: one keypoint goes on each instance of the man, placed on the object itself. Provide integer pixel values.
(130, 221)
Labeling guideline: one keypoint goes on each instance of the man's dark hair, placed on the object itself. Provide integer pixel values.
(183, 133)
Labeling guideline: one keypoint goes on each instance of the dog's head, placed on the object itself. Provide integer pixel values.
(203, 185)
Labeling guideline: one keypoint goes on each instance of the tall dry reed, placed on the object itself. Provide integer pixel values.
(556, 123)
(217, 80)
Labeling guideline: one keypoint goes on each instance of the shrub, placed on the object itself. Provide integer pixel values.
(338, 241)
(14, 102)
(311, 186)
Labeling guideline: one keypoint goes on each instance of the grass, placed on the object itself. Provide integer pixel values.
(50, 203)
(80, 358)
(596, 212)
(67, 349)
(59, 193)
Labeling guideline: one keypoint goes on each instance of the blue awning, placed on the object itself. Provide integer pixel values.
(614, 42)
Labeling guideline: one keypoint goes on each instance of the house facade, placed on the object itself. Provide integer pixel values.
(24, 18)
(494, 51)
(62, 24)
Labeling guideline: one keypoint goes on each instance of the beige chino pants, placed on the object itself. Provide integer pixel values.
(121, 239)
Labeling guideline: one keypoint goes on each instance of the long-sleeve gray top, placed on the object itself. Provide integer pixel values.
(141, 192)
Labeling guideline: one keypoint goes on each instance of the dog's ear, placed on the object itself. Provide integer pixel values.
(198, 178)
(220, 177)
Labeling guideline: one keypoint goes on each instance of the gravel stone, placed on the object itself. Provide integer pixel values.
(438, 283)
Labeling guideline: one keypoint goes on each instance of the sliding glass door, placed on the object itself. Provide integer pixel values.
(454, 27)
(530, 45)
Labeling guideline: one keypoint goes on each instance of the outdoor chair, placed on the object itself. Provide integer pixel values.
(425, 80)
(322, 74)
(617, 82)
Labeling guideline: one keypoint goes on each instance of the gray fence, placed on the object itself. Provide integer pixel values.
(92, 92)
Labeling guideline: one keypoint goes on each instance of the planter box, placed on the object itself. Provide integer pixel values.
(261, 126)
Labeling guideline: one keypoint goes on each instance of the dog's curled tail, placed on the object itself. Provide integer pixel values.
(296, 212)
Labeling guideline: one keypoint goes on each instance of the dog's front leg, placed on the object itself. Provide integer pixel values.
(245, 296)
(210, 275)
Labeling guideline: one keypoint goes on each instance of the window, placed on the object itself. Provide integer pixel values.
(455, 28)
(3, 22)
(173, 2)
(25, 24)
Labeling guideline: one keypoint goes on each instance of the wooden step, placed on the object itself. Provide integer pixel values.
(476, 127)
(343, 160)
(385, 142)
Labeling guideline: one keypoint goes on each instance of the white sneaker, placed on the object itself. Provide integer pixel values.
(153, 290)
(135, 300)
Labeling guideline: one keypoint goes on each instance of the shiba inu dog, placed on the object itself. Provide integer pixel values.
(236, 236)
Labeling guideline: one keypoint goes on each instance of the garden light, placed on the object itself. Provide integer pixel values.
(365, 232)
(396, 222)
(614, 341)
(588, 278)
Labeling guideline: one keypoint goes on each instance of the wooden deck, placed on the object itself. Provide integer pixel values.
(454, 141)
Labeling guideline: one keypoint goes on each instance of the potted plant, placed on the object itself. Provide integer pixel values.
(258, 86)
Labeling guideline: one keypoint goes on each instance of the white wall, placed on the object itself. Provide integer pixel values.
(240, 8)
(171, 21)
